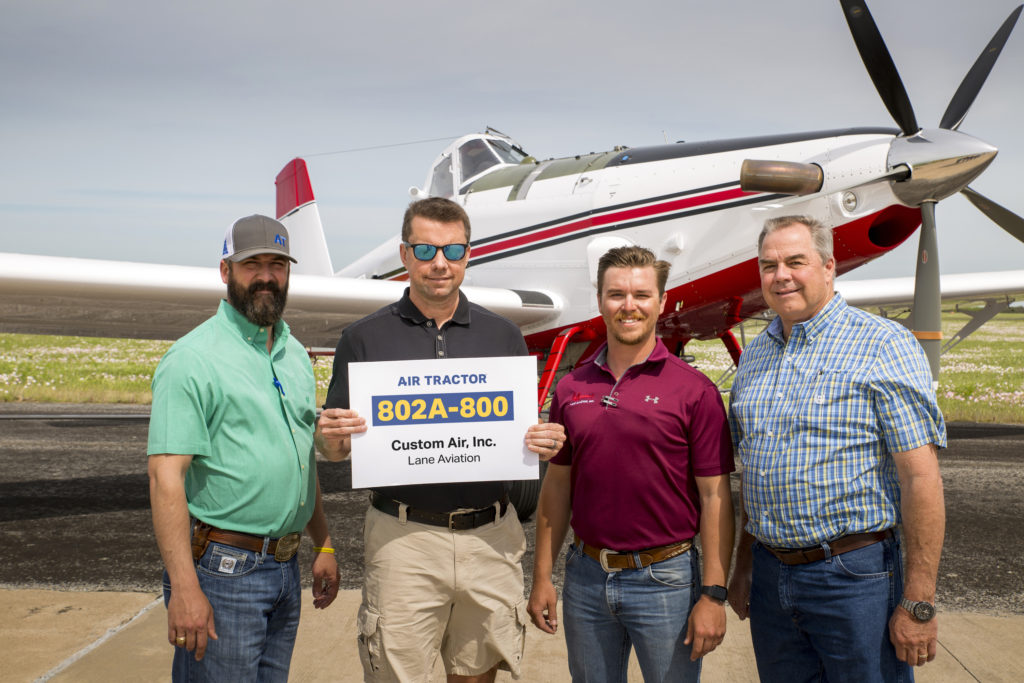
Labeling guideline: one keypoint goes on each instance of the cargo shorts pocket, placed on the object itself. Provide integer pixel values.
(509, 639)
(522, 620)
(371, 643)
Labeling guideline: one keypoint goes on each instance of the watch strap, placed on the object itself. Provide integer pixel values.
(719, 593)
(919, 609)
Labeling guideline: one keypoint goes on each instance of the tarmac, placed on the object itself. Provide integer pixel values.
(80, 571)
(109, 636)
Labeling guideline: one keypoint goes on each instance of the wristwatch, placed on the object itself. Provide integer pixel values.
(922, 611)
(715, 592)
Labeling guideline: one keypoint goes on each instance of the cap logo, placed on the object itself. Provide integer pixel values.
(280, 240)
(225, 252)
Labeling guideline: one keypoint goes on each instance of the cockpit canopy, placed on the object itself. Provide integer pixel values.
(468, 158)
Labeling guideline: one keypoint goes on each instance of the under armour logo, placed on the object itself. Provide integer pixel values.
(652, 398)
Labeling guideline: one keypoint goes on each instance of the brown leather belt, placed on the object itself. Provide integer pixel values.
(457, 520)
(614, 561)
(283, 549)
(843, 544)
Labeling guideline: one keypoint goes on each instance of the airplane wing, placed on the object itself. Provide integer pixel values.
(892, 292)
(996, 290)
(88, 297)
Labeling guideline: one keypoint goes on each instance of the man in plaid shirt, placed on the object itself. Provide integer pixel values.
(835, 421)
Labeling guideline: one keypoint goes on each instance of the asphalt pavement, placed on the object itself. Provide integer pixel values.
(81, 572)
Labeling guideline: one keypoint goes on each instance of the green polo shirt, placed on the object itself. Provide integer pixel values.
(246, 417)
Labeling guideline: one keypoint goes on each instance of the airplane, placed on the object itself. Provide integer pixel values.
(540, 226)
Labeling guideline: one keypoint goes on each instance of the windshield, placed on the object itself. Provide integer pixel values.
(476, 157)
(507, 153)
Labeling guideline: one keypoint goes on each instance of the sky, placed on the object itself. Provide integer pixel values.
(140, 131)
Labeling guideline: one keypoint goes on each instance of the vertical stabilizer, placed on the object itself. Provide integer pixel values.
(296, 208)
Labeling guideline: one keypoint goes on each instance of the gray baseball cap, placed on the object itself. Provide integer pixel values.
(254, 235)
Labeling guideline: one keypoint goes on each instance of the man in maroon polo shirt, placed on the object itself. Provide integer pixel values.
(644, 469)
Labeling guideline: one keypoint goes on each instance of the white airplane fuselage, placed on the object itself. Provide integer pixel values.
(542, 226)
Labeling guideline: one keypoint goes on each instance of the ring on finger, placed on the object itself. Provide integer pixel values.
(179, 641)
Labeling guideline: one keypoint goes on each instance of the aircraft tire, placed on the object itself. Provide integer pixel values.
(525, 494)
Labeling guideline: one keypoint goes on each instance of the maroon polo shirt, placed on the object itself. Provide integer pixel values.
(634, 463)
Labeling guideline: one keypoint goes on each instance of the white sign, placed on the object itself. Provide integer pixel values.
(448, 420)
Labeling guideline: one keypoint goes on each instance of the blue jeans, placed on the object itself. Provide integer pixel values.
(827, 620)
(607, 613)
(256, 602)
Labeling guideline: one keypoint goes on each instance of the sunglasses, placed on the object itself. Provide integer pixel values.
(427, 252)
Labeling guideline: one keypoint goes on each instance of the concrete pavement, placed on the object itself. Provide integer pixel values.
(107, 636)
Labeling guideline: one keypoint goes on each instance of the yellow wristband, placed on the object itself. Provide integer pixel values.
(324, 550)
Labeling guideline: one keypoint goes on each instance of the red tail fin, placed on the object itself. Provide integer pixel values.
(293, 187)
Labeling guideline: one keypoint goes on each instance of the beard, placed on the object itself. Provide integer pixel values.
(257, 309)
(636, 336)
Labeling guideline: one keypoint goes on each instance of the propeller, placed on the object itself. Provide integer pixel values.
(975, 78)
(880, 66)
(938, 177)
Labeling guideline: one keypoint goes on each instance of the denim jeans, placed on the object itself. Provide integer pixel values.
(827, 620)
(256, 602)
(607, 613)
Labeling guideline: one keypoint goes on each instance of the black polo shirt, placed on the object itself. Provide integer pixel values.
(400, 331)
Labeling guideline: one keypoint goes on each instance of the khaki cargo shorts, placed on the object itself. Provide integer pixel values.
(428, 590)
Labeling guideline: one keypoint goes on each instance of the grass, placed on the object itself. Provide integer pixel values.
(982, 379)
(40, 368)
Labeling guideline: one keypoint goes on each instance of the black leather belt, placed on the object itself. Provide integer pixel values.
(457, 520)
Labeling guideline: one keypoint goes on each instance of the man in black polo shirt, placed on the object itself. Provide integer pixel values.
(427, 587)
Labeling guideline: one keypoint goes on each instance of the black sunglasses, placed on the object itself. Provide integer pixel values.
(427, 252)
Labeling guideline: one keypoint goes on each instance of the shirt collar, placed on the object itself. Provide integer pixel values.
(248, 330)
(810, 329)
(657, 355)
(407, 309)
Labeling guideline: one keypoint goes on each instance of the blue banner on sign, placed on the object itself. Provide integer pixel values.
(418, 409)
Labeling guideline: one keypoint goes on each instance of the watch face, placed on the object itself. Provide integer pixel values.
(923, 611)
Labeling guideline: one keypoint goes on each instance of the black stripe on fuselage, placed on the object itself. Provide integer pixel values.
(590, 213)
(619, 226)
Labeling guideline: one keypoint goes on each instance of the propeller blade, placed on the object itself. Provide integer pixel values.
(880, 66)
(1001, 216)
(975, 78)
(927, 324)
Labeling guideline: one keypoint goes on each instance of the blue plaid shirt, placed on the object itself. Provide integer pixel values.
(816, 421)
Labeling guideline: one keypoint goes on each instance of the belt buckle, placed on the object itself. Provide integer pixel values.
(451, 520)
(604, 561)
(286, 547)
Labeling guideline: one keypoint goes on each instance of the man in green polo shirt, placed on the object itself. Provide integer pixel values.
(232, 472)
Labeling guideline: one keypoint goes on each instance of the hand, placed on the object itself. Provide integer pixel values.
(705, 628)
(542, 606)
(326, 579)
(337, 424)
(334, 430)
(190, 614)
(739, 591)
(915, 641)
(545, 439)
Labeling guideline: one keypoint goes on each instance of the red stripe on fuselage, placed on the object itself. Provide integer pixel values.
(612, 217)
